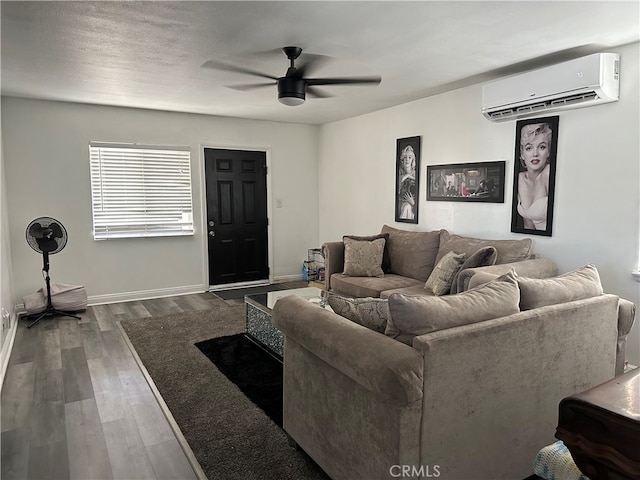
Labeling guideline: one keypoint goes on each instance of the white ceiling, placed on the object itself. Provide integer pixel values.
(151, 54)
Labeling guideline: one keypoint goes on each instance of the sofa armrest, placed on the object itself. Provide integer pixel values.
(333, 253)
(378, 363)
(533, 268)
(626, 317)
(506, 376)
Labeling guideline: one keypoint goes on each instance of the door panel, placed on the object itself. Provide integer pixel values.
(236, 215)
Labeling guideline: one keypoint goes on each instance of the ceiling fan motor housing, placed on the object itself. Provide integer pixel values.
(290, 89)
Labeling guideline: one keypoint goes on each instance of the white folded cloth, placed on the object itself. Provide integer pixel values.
(68, 298)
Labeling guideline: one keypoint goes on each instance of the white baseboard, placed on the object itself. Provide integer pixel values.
(145, 294)
(7, 346)
(231, 286)
(164, 292)
(136, 296)
(287, 278)
(281, 279)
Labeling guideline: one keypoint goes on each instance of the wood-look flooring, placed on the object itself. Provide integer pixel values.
(75, 404)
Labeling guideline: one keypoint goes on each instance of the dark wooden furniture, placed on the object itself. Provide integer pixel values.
(601, 428)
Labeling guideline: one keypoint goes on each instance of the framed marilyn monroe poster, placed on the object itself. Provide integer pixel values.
(536, 145)
(407, 179)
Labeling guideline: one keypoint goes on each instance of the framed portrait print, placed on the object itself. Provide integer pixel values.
(536, 145)
(466, 182)
(407, 179)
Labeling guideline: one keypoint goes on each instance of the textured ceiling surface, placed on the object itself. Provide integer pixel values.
(153, 54)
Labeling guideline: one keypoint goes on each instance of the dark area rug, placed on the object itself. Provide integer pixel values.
(253, 370)
(236, 293)
(230, 436)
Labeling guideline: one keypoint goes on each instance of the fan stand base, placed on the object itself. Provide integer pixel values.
(50, 312)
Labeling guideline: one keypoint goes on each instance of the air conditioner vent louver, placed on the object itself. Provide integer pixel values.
(586, 81)
(531, 108)
(575, 99)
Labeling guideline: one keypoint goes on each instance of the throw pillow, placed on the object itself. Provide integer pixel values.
(508, 250)
(482, 257)
(413, 316)
(372, 313)
(412, 254)
(363, 258)
(385, 255)
(439, 282)
(576, 285)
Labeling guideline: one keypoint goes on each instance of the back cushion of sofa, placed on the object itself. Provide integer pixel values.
(508, 251)
(412, 254)
(412, 316)
(576, 285)
(483, 257)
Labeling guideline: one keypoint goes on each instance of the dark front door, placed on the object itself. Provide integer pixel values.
(236, 184)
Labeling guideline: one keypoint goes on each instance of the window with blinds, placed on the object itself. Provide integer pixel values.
(140, 191)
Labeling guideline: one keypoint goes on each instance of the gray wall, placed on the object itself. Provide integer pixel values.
(47, 173)
(596, 211)
(7, 314)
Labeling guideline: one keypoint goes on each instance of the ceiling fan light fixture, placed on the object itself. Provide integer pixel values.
(291, 91)
(291, 101)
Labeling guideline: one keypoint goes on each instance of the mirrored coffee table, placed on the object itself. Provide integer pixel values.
(259, 309)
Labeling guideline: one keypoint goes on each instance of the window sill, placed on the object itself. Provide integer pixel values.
(636, 275)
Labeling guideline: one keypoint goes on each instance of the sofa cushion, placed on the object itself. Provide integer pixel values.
(482, 257)
(508, 251)
(385, 255)
(416, 290)
(369, 312)
(412, 254)
(439, 282)
(363, 258)
(370, 286)
(576, 285)
(413, 316)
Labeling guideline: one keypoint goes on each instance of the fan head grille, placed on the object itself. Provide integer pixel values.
(46, 235)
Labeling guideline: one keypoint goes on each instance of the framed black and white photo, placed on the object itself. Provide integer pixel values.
(407, 179)
(466, 182)
(536, 145)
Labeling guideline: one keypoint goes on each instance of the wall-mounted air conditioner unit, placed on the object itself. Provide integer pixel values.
(583, 82)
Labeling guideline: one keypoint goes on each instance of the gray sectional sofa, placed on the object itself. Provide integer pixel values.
(410, 257)
(461, 387)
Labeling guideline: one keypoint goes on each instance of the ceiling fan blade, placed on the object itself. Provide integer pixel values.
(236, 69)
(311, 63)
(251, 86)
(344, 81)
(317, 93)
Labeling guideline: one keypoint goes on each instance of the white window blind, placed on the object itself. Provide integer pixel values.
(140, 191)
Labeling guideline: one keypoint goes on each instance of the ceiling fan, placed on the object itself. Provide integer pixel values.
(294, 85)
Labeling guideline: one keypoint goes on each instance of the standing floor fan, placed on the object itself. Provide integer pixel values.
(47, 236)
